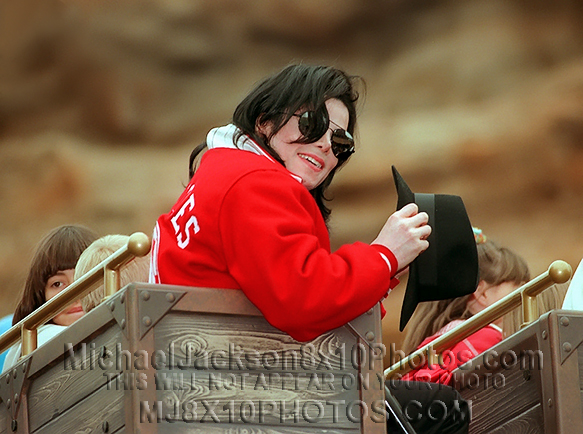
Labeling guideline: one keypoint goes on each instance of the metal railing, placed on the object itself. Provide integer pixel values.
(108, 270)
(558, 272)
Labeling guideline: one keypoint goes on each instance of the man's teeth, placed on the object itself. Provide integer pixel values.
(311, 160)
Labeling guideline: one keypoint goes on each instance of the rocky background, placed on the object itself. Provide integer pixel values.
(101, 102)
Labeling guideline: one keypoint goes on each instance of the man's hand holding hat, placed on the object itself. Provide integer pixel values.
(405, 234)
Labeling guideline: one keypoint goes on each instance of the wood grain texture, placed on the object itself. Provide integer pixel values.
(196, 338)
(252, 374)
(184, 428)
(494, 406)
(58, 389)
(243, 375)
(580, 364)
(529, 422)
(4, 418)
(262, 398)
(88, 415)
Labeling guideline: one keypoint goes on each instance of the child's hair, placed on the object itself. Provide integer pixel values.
(551, 298)
(496, 265)
(57, 251)
(137, 270)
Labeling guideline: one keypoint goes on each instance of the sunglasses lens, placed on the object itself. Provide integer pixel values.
(342, 143)
(305, 123)
(312, 125)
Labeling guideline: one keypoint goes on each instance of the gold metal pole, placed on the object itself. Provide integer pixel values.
(29, 341)
(558, 272)
(110, 281)
(529, 309)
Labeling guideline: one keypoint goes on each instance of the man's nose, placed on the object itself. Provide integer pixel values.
(325, 143)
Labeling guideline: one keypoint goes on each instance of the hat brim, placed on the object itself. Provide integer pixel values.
(410, 300)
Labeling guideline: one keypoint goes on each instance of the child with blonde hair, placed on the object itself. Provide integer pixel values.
(137, 270)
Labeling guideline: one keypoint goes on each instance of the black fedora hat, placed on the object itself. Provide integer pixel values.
(449, 267)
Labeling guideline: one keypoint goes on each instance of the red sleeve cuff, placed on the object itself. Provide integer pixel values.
(389, 256)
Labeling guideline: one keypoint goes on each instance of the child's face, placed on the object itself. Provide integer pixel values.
(498, 292)
(56, 284)
(486, 295)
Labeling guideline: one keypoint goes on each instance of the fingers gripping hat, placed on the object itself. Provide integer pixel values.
(449, 267)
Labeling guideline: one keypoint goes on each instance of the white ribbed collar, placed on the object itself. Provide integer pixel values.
(223, 137)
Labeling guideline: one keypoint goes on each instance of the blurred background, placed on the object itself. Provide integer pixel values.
(101, 102)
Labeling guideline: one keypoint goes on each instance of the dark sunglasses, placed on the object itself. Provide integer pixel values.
(313, 126)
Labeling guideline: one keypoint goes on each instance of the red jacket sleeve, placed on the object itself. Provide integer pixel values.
(279, 254)
(456, 356)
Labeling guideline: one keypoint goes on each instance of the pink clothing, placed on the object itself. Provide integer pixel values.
(244, 223)
(456, 356)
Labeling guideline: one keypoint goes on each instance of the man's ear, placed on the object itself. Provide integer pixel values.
(263, 128)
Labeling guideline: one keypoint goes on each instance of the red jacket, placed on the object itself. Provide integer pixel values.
(244, 223)
(457, 355)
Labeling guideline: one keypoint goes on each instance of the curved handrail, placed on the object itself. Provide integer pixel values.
(558, 272)
(26, 329)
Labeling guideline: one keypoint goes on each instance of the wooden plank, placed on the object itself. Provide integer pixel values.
(369, 326)
(580, 364)
(562, 393)
(211, 300)
(144, 345)
(493, 406)
(84, 329)
(565, 403)
(59, 388)
(230, 347)
(88, 415)
(529, 422)
(261, 398)
(4, 419)
(504, 382)
(185, 428)
(251, 343)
